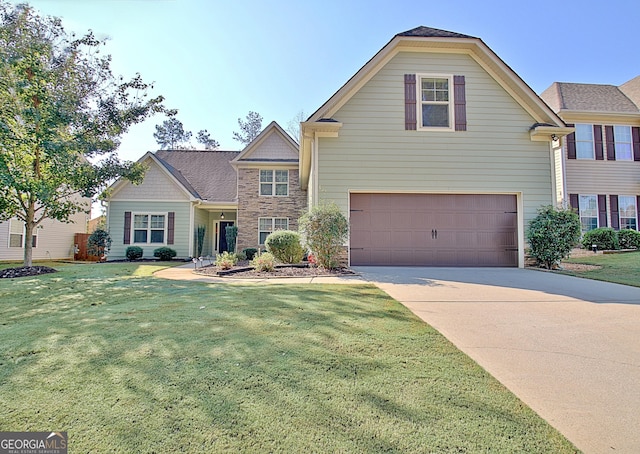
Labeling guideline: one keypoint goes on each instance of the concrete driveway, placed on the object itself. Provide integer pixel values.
(568, 347)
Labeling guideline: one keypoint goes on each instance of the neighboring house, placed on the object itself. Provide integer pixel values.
(437, 151)
(52, 239)
(600, 162)
(185, 189)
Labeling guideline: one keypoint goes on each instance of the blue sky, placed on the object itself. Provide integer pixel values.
(215, 61)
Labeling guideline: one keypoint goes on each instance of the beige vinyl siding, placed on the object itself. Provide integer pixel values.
(274, 147)
(116, 226)
(603, 177)
(157, 185)
(375, 153)
(55, 239)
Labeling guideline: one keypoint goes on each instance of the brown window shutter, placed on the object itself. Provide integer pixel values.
(410, 121)
(597, 140)
(571, 146)
(611, 143)
(635, 134)
(127, 228)
(615, 218)
(602, 210)
(573, 201)
(171, 221)
(460, 103)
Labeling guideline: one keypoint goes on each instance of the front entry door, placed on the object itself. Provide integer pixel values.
(222, 242)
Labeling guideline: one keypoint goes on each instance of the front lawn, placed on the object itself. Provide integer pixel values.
(623, 268)
(126, 362)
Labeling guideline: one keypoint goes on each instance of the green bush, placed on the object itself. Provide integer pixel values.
(629, 239)
(264, 262)
(164, 253)
(99, 242)
(604, 237)
(241, 256)
(226, 260)
(325, 229)
(285, 246)
(552, 234)
(250, 252)
(231, 232)
(133, 252)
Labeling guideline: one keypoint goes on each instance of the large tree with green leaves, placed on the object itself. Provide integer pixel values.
(249, 128)
(62, 112)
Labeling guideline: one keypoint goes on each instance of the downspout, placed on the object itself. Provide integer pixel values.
(314, 170)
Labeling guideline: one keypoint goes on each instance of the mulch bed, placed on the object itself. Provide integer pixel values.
(243, 270)
(24, 271)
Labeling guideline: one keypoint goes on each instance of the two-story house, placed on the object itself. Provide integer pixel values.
(600, 161)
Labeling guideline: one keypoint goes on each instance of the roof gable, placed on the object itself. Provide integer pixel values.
(273, 144)
(425, 39)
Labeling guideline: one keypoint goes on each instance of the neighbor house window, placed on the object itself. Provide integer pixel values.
(623, 143)
(274, 182)
(584, 142)
(17, 234)
(434, 94)
(628, 212)
(149, 228)
(268, 225)
(588, 207)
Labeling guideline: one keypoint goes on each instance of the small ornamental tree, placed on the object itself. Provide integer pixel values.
(231, 232)
(324, 230)
(552, 234)
(98, 243)
(285, 246)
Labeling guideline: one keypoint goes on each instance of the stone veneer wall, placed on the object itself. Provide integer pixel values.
(252, 206)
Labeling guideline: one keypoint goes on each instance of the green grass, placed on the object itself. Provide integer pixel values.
(621, 268)
(126, 362)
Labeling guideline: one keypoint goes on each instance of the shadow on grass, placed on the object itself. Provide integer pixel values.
(137, 364)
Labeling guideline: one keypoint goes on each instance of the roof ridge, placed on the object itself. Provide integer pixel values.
(430, 32)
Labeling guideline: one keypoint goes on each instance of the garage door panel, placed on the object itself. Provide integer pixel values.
(434, 229)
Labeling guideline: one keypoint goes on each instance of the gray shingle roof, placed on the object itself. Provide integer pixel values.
(587, 97)
(206, 174)
(428, 32)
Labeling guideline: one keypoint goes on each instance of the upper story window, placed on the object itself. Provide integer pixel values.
(588, 209)
(274, 182)
(149, 228)
(627, 212)
(623, 143)
(584, 142)
(435, 97)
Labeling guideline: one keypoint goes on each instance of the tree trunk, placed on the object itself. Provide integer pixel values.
(28, 235)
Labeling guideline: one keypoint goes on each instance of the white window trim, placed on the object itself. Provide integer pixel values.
(145, 213)
(597, 215)
(635, 204)
(273, 183)
(593, 144)
(419, 102)
(24, 235)
(273, 223)
(616, 141)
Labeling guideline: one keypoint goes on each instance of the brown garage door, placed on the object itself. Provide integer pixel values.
(434, 229)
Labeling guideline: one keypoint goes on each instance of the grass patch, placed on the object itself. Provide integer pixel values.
(130, 363)
(623, 268)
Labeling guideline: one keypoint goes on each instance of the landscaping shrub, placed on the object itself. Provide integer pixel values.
(629, 239)
(604, 237)
(99, 242)
(226, 260)
(264, 262)
(133, 252)
(285, 246)
(200, 234)
(164, 253)
(552, 234)
(324, 230)
(250, 252)
(232, 233)
(241, 256)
